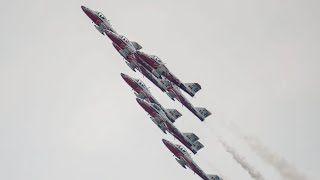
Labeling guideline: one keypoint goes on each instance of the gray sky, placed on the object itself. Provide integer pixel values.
(66, 113)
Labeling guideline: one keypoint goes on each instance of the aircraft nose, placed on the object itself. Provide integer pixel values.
(165, 142)
(83, 7)
(123, 75)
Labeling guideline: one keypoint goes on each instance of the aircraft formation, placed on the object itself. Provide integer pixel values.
(157, 72)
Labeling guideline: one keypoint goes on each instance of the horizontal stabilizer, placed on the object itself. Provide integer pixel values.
(191, 137)
(198, 145)
(213, 177)
(203, 112)
(194, 87)
(136, 45)
(173, 114)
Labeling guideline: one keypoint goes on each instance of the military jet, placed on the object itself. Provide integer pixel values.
(174, 93)
(161, 83)
(122, 44)
(126, 48)
(158, 116)
(100, 21)
(159, 69)
(185, 160)
(142, 91)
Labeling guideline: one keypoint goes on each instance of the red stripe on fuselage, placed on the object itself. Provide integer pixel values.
(148, 60)
(149, 110)
(185, 102)
(177, 134)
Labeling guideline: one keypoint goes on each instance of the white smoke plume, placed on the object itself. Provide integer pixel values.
(245, 165)
(285, 169)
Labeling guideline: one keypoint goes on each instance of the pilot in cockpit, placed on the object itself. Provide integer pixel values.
(141, 83)
(101, 15)
(157, 59)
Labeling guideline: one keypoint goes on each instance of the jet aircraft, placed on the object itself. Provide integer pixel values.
(185, 160)
(126, 48)
(142, 91)
(159, 69)
(158, 116)
(100, 21)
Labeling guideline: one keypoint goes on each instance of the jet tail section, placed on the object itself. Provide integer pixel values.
(204, 113)
(191, 137)
(173, 114)
(193, 87)
(136, 45)
(198, 145)
(214, 177)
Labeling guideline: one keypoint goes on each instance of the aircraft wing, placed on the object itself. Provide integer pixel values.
(136, 45)
(140, 95)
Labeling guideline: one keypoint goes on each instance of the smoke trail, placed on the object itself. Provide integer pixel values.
(245, 165)
(285, 169)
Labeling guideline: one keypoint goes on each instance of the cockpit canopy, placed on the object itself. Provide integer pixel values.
(157, 59)
(141, 83)
(101, 15)
(156, 107)
(182, 149)
(124, 39)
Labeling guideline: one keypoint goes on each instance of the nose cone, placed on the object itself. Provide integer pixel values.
(123, 75)
(84, 9)
(166, 142)
(128, 79)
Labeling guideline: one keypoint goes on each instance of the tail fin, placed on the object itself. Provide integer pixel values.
(214, 177)
(136, 45)
(194, 87)
(173, 114)
(204, 113)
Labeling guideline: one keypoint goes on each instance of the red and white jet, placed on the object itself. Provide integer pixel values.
(185, 160)
(174, 93)
(159, 69)
(100, 21)
(142, 91)
(126, 48)
(158, 116)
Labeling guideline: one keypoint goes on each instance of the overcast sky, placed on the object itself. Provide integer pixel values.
(66, 113)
